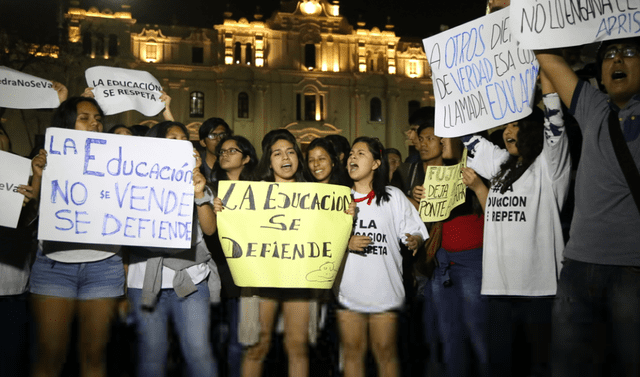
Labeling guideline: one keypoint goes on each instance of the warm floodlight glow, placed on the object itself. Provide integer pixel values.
(309, 7)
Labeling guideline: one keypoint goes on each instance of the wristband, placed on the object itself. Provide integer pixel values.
(207, 198)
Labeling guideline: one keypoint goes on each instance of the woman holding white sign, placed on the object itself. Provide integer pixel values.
(176, 285)
(523, 239)
(372, 290)
(69, 279)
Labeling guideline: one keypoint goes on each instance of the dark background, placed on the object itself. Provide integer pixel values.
(36, 20)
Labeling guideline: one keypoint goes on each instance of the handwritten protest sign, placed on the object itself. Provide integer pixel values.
(542, 24)
(444, 190)
(117, 190)
(284, 235)
(19, 90)
(118, 90)
(481, 79)
(14, 171)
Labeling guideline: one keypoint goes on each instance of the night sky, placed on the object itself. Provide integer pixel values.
(36, 20)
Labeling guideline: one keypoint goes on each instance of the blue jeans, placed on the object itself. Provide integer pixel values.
(433, 365)
(80, 281)
(190, 316)
(596, 319)
(462, 311)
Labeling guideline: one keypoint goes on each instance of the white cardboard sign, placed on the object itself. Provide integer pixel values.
(543, 24)
(19, 90)
(14, 171)
(118, 90)
(118, 190)
(481, 79)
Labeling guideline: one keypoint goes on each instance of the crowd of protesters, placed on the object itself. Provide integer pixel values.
(496, 289)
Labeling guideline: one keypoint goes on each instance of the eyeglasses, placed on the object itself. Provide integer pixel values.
(627, 52)
(214, 135)
(229, 152)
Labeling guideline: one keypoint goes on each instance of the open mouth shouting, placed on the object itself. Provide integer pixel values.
(618, 75)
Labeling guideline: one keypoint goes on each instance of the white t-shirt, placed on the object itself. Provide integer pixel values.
(373, 283)
(78, 256)
(523, 240)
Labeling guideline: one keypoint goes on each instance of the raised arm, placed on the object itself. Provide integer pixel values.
(203, 200)
(559, 74)
(167, 114)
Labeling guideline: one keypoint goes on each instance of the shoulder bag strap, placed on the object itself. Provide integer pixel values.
(623, 154)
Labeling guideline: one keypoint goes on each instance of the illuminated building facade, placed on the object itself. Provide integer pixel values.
(304, 68)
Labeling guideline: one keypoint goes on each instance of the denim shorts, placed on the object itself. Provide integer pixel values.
(82, 281)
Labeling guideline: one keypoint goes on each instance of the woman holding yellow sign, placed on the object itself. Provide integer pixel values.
(281, 161)
(371, 290)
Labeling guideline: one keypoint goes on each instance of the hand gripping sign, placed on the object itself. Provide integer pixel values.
(98, 188)
(444, 191)
(118, 90)
(284, 235)
(481, 78)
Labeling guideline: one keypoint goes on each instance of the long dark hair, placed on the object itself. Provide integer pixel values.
(381, 174)
(529, 144)
(160, 130)
(338, 174)
(247, 150)
(341, 145)
(396, 177)
(66, 114)
(263, 171)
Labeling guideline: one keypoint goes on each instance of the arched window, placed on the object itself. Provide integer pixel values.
(243, 105)
(196, 105)
(248, 54)
(310, 106)
(113, 45)
(152, 51)
(310, 56)
(86, 43)
(375, 110)
(100, 45)
(380, 62)
(197, 55)
(237, 53)
(413, 106)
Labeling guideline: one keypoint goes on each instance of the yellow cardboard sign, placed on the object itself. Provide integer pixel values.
(444, 190)
(284, 235)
